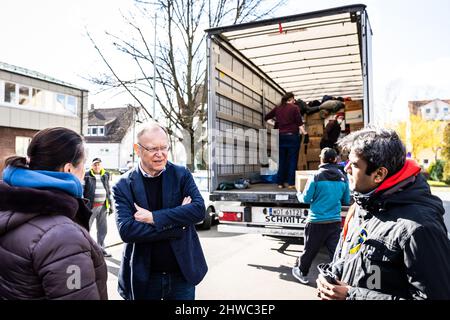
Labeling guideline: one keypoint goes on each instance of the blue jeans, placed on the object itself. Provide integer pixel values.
(288, 148)
(169, 286)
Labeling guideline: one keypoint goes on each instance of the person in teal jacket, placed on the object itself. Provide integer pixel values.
(325, 193)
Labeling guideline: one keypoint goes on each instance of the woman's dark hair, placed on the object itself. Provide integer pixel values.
(50, 149)
(286, 97)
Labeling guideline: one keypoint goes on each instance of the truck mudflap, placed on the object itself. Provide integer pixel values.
(269, 230)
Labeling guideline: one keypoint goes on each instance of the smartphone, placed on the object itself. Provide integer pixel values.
(327, 274)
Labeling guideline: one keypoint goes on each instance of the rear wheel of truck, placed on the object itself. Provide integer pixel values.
(206, 225)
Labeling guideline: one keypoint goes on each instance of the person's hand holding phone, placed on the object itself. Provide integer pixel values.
(325, 271)
(328, 286)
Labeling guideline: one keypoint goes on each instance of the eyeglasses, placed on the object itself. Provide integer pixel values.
(164, 149)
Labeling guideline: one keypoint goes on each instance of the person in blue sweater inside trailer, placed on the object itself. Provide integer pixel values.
(326, 192)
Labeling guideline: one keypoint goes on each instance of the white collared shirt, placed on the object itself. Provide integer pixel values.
(147, 175)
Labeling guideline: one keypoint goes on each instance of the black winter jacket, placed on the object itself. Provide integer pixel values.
(404, 250)
(89, 187)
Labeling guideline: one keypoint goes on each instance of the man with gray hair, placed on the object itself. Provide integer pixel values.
(158, 205)
(394, 243)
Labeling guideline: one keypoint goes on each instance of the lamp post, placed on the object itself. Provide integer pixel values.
(154, 69)
(134, 133)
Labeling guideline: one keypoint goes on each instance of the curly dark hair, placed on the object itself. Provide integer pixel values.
(379, 147)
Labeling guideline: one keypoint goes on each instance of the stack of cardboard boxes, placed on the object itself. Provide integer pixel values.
(314, 127)
(354, 114)
(309, 154)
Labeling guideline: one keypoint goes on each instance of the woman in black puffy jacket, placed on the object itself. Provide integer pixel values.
(46, 251)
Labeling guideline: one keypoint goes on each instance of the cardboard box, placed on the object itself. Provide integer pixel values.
(300, 182)
(314, 143)
(353, 105)
(313, 165)
(313, 154)
(301, 178)
(356, 126)
(301, 161)
(313, 122)
(315, 130)
(313, 116)
(353, 116)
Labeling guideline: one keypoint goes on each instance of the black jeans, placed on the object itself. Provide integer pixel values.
(316, 235)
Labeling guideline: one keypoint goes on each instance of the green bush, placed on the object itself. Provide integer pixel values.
(436, 170)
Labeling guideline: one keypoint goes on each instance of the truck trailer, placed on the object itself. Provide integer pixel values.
(320, 54)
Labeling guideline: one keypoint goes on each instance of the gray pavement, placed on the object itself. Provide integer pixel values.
(253, 267)
(239, 265)
(444, 194)
(242, 266)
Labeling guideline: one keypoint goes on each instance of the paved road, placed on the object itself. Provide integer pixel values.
(444, 194)
(250, 266)
(243, 266)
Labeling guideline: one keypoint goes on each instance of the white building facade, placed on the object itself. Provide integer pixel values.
(111, 134)
(31, 101)
(431, 110)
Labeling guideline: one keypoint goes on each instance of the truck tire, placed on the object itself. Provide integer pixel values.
(206, 225)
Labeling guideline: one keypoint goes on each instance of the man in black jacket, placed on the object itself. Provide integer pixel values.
(98, 192)
(394, 244)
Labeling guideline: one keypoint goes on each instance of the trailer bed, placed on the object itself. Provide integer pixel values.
(259, 192)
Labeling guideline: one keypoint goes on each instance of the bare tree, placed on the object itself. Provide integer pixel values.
(179, 60)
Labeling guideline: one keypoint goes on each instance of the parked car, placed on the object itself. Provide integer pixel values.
(128, 167)
(211, 216)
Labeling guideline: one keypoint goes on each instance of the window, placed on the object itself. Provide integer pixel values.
(24, 95)
(37, 97)
(445, 110)
(71, 104)
(60, 102)
(49, 101)
(428, 110)
(22, 145)
(10, 92)
(96, 131)
(425, 161)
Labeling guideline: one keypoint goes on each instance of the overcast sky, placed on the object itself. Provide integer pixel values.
(411, 47)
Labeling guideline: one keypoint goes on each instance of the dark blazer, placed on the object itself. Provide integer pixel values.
(173, 222)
